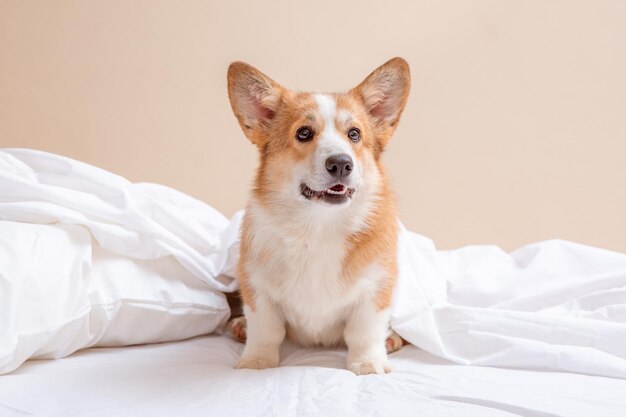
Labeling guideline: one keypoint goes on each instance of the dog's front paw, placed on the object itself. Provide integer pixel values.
(380, 366)
(257, 363)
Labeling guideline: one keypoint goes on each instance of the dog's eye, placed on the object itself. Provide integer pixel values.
(304, 134)
(354, 134)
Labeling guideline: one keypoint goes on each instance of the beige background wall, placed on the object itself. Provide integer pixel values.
(515, 130)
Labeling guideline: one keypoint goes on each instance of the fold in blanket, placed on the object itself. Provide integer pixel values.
(553, 305)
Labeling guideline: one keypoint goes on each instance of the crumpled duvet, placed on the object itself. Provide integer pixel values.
(552, 305)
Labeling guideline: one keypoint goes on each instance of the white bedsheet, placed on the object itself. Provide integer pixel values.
(553, 305)
(196, 378)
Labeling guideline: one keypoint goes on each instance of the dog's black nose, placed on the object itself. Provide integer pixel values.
(340, 165)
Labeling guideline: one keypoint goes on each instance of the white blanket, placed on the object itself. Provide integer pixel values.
(553, 305)
(89, 259)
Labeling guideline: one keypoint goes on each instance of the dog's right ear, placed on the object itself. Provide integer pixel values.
(254, 98)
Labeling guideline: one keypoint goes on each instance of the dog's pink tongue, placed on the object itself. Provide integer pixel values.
(338, 187)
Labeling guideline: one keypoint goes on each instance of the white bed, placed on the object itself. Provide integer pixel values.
(90, 262)
(196, 378)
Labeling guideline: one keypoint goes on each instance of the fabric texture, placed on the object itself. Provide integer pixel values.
(196, 378)
(89, 259)
(552, 305)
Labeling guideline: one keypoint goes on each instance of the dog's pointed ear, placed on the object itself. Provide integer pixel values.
(384, 93)
(254, 98)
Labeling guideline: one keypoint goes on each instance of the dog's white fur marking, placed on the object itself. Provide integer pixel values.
(330, 142)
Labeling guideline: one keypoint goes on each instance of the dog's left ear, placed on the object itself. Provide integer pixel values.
(384, 93)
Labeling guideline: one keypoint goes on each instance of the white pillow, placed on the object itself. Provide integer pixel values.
(60, 292)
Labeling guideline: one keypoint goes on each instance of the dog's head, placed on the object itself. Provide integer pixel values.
(320, 149)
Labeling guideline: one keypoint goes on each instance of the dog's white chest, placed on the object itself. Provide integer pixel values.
(303, 276)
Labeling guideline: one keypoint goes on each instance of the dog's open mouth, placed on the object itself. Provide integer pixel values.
(337, 194)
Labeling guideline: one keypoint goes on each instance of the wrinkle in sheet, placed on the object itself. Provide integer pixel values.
(509, 408)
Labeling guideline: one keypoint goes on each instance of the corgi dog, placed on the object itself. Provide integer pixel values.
(319, 235)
